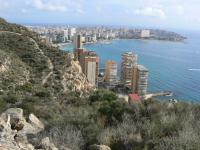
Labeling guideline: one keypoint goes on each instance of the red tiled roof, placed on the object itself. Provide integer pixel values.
(134, 98)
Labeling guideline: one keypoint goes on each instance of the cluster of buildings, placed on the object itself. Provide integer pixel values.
(132, 79)
(54, 34)
(132, 75)
(88, 60)
(65, 34)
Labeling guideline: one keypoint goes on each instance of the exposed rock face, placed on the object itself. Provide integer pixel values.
(34, 121)
(14, 130)
(74, 79)
(99, 147)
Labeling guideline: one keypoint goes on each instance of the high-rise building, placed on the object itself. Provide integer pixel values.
(110, 74)
(78, 50)
(65, 35)
(89, 62)
(139, 80)
(129, 59)
(77, 41)
(145, 33)
(72, 32)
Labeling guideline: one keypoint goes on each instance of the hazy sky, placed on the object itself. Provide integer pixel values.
(140, 13)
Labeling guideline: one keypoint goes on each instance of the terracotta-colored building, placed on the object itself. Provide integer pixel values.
(133, 98)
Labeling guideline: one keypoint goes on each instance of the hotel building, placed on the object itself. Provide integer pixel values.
(128, 60)
(110, 75)
(139, 80)
(89, 62)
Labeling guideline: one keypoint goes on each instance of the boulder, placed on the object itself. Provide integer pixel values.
(16, 118)
(7, 135)
(47, 145)
(98, 147)
(14, 131)
(16, 113)
(33, 126)
(34, 121)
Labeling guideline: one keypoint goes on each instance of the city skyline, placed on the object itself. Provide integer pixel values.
(176, 14)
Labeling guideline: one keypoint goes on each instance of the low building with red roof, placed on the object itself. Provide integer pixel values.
(133, 98)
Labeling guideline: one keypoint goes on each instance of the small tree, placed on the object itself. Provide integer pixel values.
(103, 95)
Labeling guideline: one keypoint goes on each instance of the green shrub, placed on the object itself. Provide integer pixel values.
(2, 105)
(24, 88)
(102, 95)
(43, 94)
(10, 98)
(113, 111)
(28, 108)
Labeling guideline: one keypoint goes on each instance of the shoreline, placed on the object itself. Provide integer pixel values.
(110, 41)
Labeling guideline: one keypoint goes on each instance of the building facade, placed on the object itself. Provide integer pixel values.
(139, 81)
(65, 35)
(78, 50)
(89, 62)
(78, 44)
(145, 34)
(110, 74)
(128, 60)
(72, 32)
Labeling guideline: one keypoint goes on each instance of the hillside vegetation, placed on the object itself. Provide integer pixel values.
(45, 81)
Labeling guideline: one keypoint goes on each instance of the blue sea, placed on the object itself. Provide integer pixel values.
(173, 66)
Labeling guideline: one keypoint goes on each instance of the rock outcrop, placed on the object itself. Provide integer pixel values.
(74, 79)
(14, 131)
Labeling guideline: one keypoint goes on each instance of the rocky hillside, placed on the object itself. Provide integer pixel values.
(18, 134)
(25, 61)
(42, 80)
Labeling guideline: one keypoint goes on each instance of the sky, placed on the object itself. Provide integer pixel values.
(177, 14)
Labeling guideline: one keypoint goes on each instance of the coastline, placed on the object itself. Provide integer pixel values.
(110, 41)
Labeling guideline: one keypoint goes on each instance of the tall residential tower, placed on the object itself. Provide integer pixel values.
(78, 49)
(128, 60)
(89, 62)
(110, 75)
(139, 80)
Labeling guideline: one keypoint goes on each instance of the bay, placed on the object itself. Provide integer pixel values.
(173, 66)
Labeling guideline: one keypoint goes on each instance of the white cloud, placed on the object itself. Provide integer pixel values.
(150, 11)
(49, 6)
(59, 6)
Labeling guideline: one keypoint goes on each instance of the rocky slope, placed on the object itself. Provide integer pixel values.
(14, 131)
(18, 134)
(25, 59)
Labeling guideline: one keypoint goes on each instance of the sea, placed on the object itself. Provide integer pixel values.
(172, 66)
